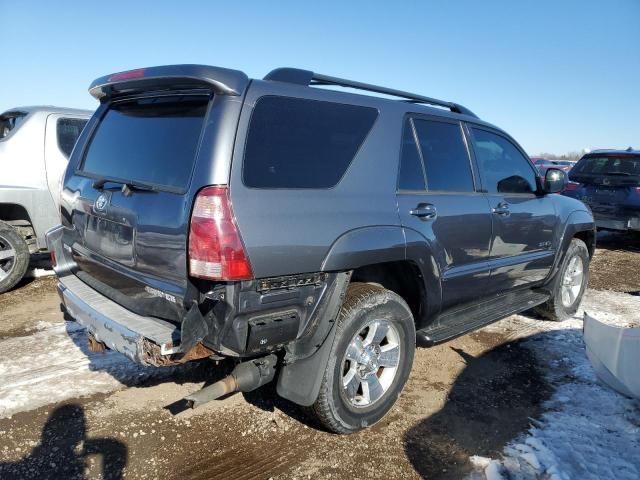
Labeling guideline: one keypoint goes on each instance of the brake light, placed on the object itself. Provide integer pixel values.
(128, 75)
(571, 186)
(216, 251)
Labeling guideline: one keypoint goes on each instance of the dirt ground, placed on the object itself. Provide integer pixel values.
(467, 397)
(615, 265)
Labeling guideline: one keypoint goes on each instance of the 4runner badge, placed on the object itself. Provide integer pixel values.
(157, 293)
(101, 203)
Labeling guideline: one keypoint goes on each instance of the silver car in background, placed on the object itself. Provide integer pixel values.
(35, 144)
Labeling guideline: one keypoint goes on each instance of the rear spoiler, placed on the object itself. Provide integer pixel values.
(223, 81)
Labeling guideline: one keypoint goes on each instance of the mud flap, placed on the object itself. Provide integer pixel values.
(300, 380)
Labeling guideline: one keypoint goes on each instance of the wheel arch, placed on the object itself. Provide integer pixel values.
(15, 214)
(579, 224)
(400, 259)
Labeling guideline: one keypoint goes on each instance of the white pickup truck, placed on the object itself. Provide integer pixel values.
(35, 144)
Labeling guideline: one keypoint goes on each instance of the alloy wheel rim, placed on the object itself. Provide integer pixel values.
(370, 363)
(572, 281)
(7, 258)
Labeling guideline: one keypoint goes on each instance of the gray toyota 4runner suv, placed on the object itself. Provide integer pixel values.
(310, 235)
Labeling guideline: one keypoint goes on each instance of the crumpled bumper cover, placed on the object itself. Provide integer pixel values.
(119, 329)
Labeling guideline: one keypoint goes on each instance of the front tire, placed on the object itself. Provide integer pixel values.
(573, 277)
(14, 257)
(370, 360)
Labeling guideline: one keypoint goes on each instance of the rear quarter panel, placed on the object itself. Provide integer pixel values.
(23, 181)
(287, 231)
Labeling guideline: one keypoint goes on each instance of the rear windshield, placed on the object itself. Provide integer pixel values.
(10, 122)
(150, 141)
(299, 143)
(623, 166)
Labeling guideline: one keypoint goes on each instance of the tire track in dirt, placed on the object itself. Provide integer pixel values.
(255, 462)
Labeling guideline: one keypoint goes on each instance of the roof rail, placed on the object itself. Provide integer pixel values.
(307, 77)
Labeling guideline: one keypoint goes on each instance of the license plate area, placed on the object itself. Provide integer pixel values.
(111, 239)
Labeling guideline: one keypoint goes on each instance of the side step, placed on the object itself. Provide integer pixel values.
(453, 323)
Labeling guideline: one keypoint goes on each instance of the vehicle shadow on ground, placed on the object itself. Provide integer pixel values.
(618, 241)
(266, 398)
(490, 403)
(64, 451)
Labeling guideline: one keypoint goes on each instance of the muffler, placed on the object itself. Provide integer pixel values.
(247, 376)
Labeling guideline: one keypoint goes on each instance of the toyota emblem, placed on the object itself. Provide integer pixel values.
(101, 203)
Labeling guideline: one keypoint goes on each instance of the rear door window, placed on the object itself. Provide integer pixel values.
(300, 143)
(411, 172)
(150, 141)
(446, 160)
(68, 131)
(502, 167)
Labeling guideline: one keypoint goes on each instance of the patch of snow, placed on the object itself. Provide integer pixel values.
(479, 462)
(493, 471)
(485, 469)
(39, 272)
(588, 432)
(53, 364)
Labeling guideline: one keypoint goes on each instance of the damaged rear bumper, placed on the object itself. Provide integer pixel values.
(146, 340)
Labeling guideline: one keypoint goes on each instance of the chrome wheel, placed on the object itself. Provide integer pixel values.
(572, 281)
(371, 363)
(7, 258)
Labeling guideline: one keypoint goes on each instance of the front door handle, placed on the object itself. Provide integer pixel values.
(501, 209)
(424, 211)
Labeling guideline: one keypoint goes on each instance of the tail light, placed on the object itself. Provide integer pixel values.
(216, 251)
(54, 261)
(571, 186)
(638, 190)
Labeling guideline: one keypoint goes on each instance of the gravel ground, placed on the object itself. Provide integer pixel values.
(68, 413)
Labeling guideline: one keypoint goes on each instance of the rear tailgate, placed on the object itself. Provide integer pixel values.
(610, 185)
(129, 190)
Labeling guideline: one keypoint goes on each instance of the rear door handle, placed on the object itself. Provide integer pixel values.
(424, 211)
(501, 209)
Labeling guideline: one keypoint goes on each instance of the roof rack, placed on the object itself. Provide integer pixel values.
(309, 78)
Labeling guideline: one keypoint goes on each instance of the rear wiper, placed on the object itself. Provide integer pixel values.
(127, 187)
(617, 173)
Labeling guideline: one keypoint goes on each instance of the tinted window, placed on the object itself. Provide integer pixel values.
(152, 140)
(298, 143)
(69, 130)
(503, 168)
(411, 174)
(621, 166)
(446, 161)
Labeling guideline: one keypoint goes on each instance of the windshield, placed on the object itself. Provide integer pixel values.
(10, 122)
(150, 141)
(609, 165)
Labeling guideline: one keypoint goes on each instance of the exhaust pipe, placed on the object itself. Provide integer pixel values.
(246, 377)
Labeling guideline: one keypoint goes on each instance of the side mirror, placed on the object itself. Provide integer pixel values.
(554, 180)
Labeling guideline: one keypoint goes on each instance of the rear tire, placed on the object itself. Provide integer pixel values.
(370, 359)
(567, 293)
(14, 257)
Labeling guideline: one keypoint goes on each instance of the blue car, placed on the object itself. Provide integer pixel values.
(608, 181)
